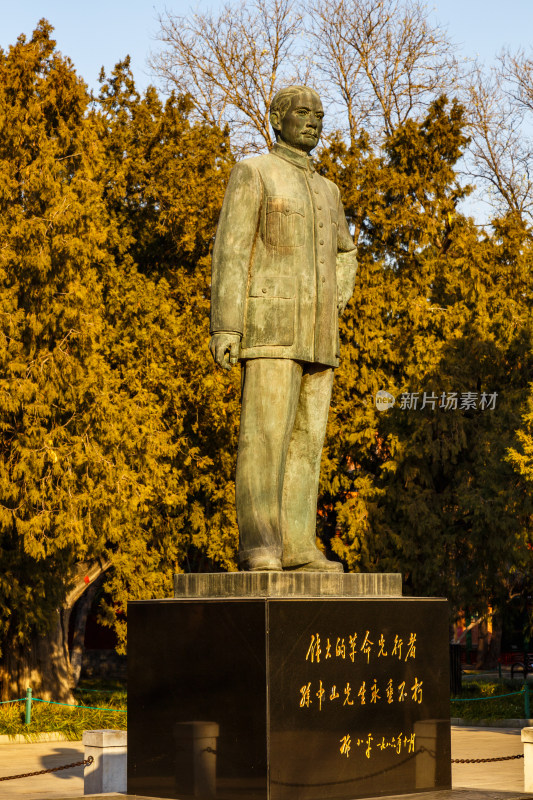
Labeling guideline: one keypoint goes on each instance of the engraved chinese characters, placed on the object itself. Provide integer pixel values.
(369, 690)
(364, 692)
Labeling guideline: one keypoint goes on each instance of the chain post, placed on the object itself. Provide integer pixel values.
(27, 719)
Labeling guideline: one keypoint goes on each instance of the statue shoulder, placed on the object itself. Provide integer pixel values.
(332, 188)
(248, 171)
(251, 165)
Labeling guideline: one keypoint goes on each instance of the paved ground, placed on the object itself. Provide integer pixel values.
(487, 743)
(499, 777)
(21, 758)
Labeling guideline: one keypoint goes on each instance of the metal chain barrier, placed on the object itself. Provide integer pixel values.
(29, 699)
(90, 759)
(485, 697)
(484, 760)
(69, 705)
(363, 777)
(523, 691)
(85, 762)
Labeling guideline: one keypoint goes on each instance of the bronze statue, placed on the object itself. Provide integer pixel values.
(284, 267)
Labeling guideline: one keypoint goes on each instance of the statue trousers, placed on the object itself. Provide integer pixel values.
(284, 414)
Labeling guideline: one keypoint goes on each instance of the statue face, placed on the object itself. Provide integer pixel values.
(302, 124)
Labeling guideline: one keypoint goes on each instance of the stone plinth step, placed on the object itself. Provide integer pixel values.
(287, 584)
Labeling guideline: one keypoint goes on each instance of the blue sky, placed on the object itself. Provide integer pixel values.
(96, 33)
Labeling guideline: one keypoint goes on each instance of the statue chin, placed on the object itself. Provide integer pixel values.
(300, 147)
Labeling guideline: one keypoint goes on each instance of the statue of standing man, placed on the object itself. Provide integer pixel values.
(284, 266)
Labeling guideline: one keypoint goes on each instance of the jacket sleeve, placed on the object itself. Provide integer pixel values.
(238, 227)
(346, 259)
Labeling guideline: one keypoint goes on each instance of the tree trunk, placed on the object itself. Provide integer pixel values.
(495, 647)
(483, 643)
(489, 647)
(80, 621)
(44, 665)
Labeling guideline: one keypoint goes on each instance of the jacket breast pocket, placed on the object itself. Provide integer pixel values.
(285, 222)
(270, 314)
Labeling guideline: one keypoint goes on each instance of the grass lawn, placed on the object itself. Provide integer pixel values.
(70, 721)
(486, 703)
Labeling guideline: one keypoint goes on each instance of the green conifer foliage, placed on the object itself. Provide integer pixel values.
(164, 191)
(437, 308)
(118, 436)
(118, 441)
(53, 246)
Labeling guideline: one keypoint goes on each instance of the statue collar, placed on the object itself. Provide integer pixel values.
(294, 156)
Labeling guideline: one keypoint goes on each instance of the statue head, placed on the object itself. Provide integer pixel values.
(296, 115)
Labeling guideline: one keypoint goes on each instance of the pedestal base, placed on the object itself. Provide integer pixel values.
(310, 697)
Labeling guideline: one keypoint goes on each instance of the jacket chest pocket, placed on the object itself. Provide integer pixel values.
(285, 222)
(270, 313)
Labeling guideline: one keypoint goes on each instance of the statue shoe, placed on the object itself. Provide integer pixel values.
(262, 564)
(318, 565)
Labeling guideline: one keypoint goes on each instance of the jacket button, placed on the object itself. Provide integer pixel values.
(323, 280)
(264, 290)
(320, 224)
(322, 260)
(319, 208)
(322, 241)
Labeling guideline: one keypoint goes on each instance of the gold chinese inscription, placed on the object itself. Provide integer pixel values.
(371, 649)
(357, 645)
(390, 693)
(399, 744)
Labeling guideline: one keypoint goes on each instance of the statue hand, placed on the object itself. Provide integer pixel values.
(344, 293)
(224, 348)
(342, 302)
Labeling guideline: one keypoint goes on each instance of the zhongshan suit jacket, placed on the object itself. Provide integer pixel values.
(283, 256)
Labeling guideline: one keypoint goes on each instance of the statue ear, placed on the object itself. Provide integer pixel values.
(275, 120)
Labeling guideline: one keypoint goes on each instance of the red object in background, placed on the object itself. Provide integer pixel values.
(510, 658)
(86, 579)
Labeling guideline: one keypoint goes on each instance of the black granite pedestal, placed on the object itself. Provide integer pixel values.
(287, 687)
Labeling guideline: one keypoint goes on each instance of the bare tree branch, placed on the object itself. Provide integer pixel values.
(231, 63)
(501, 155)
(516, 70)
(376, 63)
(383, 61)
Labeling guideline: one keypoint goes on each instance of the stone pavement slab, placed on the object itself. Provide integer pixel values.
(452, 794)
(487, 743)
(19, 758)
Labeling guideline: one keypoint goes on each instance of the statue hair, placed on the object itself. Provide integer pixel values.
(282, 100)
